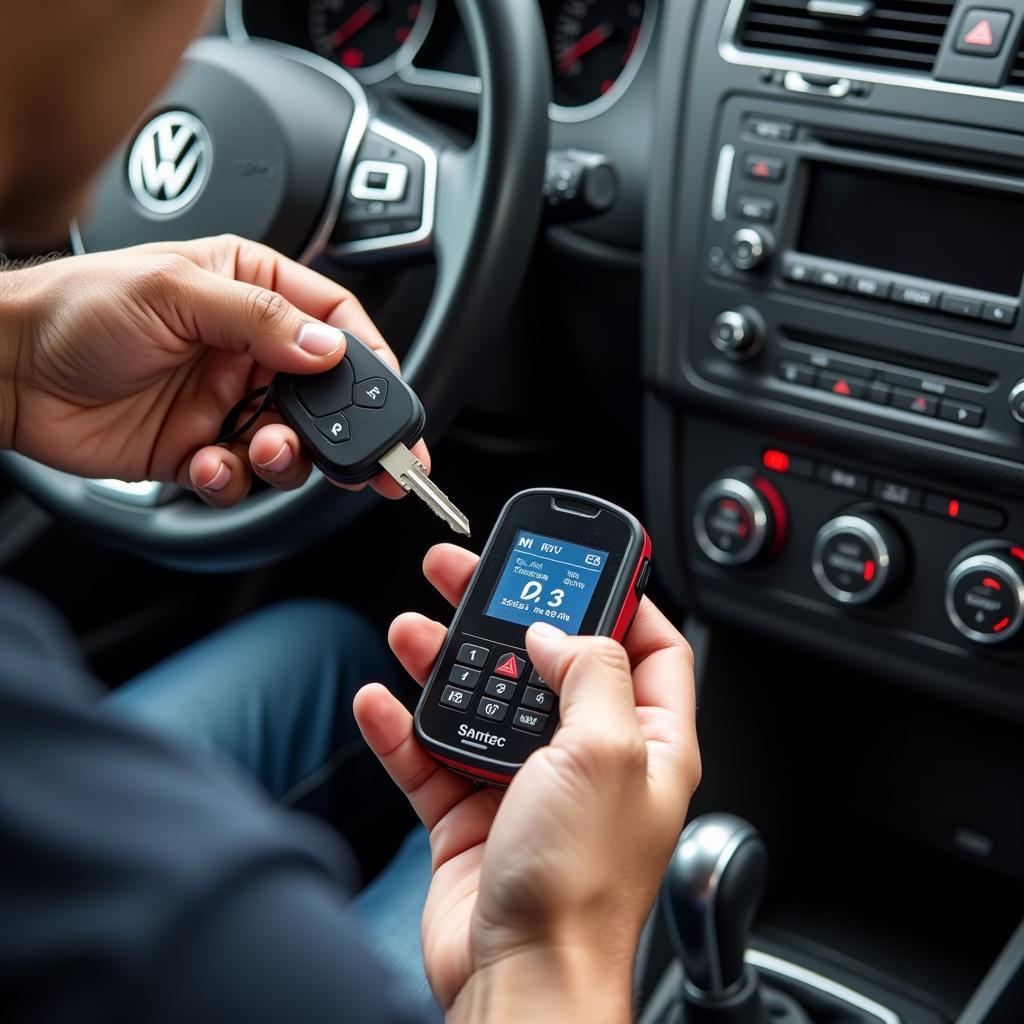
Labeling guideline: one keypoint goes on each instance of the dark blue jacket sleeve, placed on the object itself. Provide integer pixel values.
(141, 882)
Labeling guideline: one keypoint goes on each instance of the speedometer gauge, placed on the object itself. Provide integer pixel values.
(369, 37)
(592, 43)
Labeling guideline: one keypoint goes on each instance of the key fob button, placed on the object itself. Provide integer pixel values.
(529, 721)
(456, 699)
(334, 428)
(324, 393)
(502, 688)
(464, 677)
(492, 709)
(371, 393)
(471, 654)
(538, 700)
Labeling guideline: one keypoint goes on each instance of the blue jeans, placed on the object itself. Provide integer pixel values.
(273, 693)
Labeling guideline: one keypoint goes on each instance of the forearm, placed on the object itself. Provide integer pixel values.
(539, 986)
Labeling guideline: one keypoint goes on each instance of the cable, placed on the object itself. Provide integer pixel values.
(228, 430)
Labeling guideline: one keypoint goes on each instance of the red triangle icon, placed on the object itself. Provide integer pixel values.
(980, 35)
(841, 387)
(509, 666)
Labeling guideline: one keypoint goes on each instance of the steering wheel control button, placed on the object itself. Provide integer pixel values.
(529, 721)
(379, 181)
(749, 249)
(471, 654)
(538, 700)
(324, 393)
(733, 521)
(497, 687)
(494, 710)
(985, 597)
(854, 556)
(371, 393)
(982, 32)
(467, 678)
(764, 168)
(737, 333)
(335, 428)
(509, 665)
(456, 699)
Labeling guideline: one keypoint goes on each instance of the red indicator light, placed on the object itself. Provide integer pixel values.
(775, 460)
(920, 404)
(352, 57)
(760, 170)
(1017, 553)
(980, 35)
(840, 388)
(954, 508)
(728, 505)
(991, 583)
(869, 571)
(1000, 625)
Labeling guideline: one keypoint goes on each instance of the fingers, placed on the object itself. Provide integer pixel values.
(219, 475)
(449, 569)
(277, 457)
(416, 641)
(388, 730)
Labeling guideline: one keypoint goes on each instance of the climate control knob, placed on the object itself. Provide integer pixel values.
(737, 333)
(985, 596)
(749, 248)
(739, 519)
(857, 558)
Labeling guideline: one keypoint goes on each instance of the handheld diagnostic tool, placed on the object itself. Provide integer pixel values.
(554, 556)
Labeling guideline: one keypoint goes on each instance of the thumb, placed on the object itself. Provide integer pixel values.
(591, 674)
(247, 318)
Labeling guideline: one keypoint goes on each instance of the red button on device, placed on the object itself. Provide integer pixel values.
(509, 666)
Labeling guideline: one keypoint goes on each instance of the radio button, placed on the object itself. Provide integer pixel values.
(797, 270)
(914, 401)
(825, 277)
(764, 168)
(870, 286)
(755, 208)
(843, 479)
(771, 131)
(967, 414)
(893, 493)
(879, 393)
(838, 364)
(838, 384)
(796, 373)
(960, 305)
(914, 295)
(1002, 313)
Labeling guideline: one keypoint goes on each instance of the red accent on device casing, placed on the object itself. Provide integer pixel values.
(632, 602)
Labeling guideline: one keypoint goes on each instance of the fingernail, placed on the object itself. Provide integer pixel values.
(280, 462)
(319, 339)
(220, 479)
(546, 631)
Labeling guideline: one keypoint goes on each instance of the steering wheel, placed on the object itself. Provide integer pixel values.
(276, 144)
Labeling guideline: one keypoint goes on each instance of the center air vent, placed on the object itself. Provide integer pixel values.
(1017, 69)
(887, 33)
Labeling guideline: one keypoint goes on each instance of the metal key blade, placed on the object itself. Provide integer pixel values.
(408, 472)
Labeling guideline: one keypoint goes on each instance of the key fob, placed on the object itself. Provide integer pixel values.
(350, 416)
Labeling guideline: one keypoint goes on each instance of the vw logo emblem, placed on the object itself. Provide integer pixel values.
(169, 162)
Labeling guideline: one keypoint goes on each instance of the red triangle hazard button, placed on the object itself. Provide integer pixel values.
(981, 34)
(509, 666)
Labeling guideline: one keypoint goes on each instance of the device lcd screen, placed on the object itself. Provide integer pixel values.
(545, 579)
(922, 228)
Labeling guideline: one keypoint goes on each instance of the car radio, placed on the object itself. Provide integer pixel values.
(848, 271)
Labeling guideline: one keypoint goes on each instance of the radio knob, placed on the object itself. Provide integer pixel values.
(739, 519)
(985, 597)
(737, 333)
(749, 249)
(1017, 401)
(857, 558)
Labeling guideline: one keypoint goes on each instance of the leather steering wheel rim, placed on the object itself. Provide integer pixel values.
(484, 245)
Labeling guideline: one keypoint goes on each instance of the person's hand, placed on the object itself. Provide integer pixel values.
(124, 364)
(539, 893)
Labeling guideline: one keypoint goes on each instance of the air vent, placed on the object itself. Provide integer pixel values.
(891, 33)
(1017, 70)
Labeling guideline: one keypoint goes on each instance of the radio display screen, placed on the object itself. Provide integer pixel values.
(922, 228)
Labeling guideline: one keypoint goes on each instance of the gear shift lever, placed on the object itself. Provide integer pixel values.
(710, 894)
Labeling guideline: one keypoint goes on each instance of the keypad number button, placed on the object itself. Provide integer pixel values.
(456, 699)
(536, 680)
(494, 710)
(472, 654)
(538, 700)
(502, 688)
(464, 677)
(529, 721)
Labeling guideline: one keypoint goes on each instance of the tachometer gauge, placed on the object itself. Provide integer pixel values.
(369, 37)
(592, 43)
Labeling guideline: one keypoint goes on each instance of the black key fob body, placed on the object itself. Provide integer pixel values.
(351, 416)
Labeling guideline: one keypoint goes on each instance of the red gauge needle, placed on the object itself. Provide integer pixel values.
(594, 38)
(355, 21)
